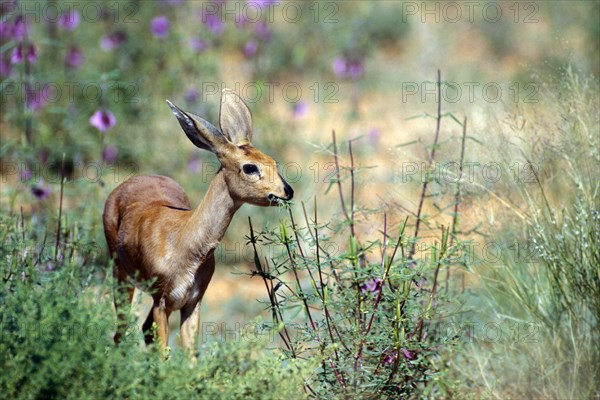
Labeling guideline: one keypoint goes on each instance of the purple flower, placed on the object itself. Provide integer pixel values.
(35, 102)
(339, 66)
(389, 358)
(373, 136)
(40, 190)
(109, 154)
(198, 45)
(31, 54)
(26, 174)
(191, 95)
(16, 56)
(300, 109)
(37, 98)
(241, 20)
(372, 285)
(19, 31)
(409, 355)
(263, 3)
(263, 31)
(74, 57)
(103, 120)
(355, 69)
(348, 69)
(250, 48)
(113, 40)
(160, 27)
(194, 164)
(69, 21)
(214, 23)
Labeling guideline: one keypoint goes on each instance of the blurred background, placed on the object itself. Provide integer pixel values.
(89, 81)
(83, 86)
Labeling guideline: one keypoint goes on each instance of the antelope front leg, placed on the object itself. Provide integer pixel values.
(190, 322)
(161, 319)
(190, 313)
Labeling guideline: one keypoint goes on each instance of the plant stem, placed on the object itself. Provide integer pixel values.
(339, 179)
(352, 188)
(430, 163)
(457, 194)
(60, 206)
(321, 249)
(272, 295)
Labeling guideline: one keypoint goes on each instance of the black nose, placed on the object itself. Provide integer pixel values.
(289, 192)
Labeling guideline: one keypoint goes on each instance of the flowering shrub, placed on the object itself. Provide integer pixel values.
(371, 320)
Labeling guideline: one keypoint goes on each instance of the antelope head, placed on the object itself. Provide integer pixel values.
(251, 176)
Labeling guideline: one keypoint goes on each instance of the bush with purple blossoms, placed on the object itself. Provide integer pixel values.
(368, 311)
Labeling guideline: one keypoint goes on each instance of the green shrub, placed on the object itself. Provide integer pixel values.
(56, 340)
(368, 311)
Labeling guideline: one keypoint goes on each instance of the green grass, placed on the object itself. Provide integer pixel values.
(546, 297)
(56, 337)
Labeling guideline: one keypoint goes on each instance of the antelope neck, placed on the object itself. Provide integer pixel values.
(207, 225)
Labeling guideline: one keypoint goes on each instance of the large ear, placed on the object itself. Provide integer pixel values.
(201, 132)
(235, 118)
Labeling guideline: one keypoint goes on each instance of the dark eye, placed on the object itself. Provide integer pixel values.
(250, 169)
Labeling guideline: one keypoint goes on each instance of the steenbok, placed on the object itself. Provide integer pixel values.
(154, 235)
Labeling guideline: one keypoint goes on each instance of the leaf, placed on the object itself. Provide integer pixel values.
(454, 118)
(416, 116)
(474, 139)
(407, 143)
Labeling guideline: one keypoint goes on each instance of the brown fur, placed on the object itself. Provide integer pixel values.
(154, 235)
